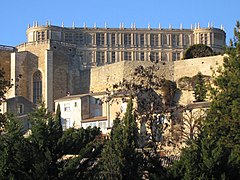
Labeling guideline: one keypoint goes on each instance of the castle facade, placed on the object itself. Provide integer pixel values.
(58, 60)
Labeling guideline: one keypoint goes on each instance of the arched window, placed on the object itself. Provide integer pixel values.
(37, 87)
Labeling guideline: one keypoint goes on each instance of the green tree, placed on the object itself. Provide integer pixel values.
(15, 152)
(5, 85)
(58, 121)
(200, 89)
(216, 152)
(44, 140)
(198, 50)
(112, 157)
(119, 157)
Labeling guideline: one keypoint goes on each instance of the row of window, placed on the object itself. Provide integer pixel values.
(128, 39)
(100, 124)
(67, 123)
(102, 57)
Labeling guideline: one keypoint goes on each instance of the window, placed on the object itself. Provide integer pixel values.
(142, 56)
(175, 40)
(186, 40)
(154, 56)
(203, 39)
(66, 123)
(102, 125)
(127, 39)
(79, 38)
(67, 107)
(164, 57)
(154, 39)
(141, 40)
(164, 40)
(100, 38)
(20, 108)
(37, 87)
(128, 56)
(68, 37)
(113, 57)
(100, 57)
(176, 56)
(40, 36)
(75, 104)
(113, 39)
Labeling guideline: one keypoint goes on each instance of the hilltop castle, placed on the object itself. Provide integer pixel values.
(58, 60)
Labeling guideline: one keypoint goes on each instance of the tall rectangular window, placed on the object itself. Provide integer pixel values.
(113, 57)
(203, 39)
(100, 57)
(128, 56)
(41, 36)
(141, 39)
(20, 108)
(186, 40)
(142, 56)
(113, 39)
(68, 37)
(154, 56)
(100, 38)
(164, 40)
(164, 56)
(37, 87)
(154, 39)
(175, 40)
(127, 39)
(79, 38)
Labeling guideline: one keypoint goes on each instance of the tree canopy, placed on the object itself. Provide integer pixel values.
(198, 50)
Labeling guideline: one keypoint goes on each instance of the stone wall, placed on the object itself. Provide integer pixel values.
(5, 57)
(105, 76)
(60, 67)
(190, 68)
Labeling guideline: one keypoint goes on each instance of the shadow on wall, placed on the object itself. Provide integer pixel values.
(85, 81)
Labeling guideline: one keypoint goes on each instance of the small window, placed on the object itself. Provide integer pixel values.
(20, 108)
(67, 107)
(102, 125)
(75, 104)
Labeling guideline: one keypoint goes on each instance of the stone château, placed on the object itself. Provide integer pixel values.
(56, 60)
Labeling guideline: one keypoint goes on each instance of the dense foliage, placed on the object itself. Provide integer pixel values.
(200, 88)
(215, 154)
(198, 50)
(43, 153)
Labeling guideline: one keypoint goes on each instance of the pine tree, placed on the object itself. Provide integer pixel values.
(200, 89)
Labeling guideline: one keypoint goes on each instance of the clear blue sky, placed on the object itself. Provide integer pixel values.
(17, 14)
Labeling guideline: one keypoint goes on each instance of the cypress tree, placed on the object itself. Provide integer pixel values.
(119, 157)
(200, 89)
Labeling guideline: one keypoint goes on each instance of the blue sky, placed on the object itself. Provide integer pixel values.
(17, 14)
